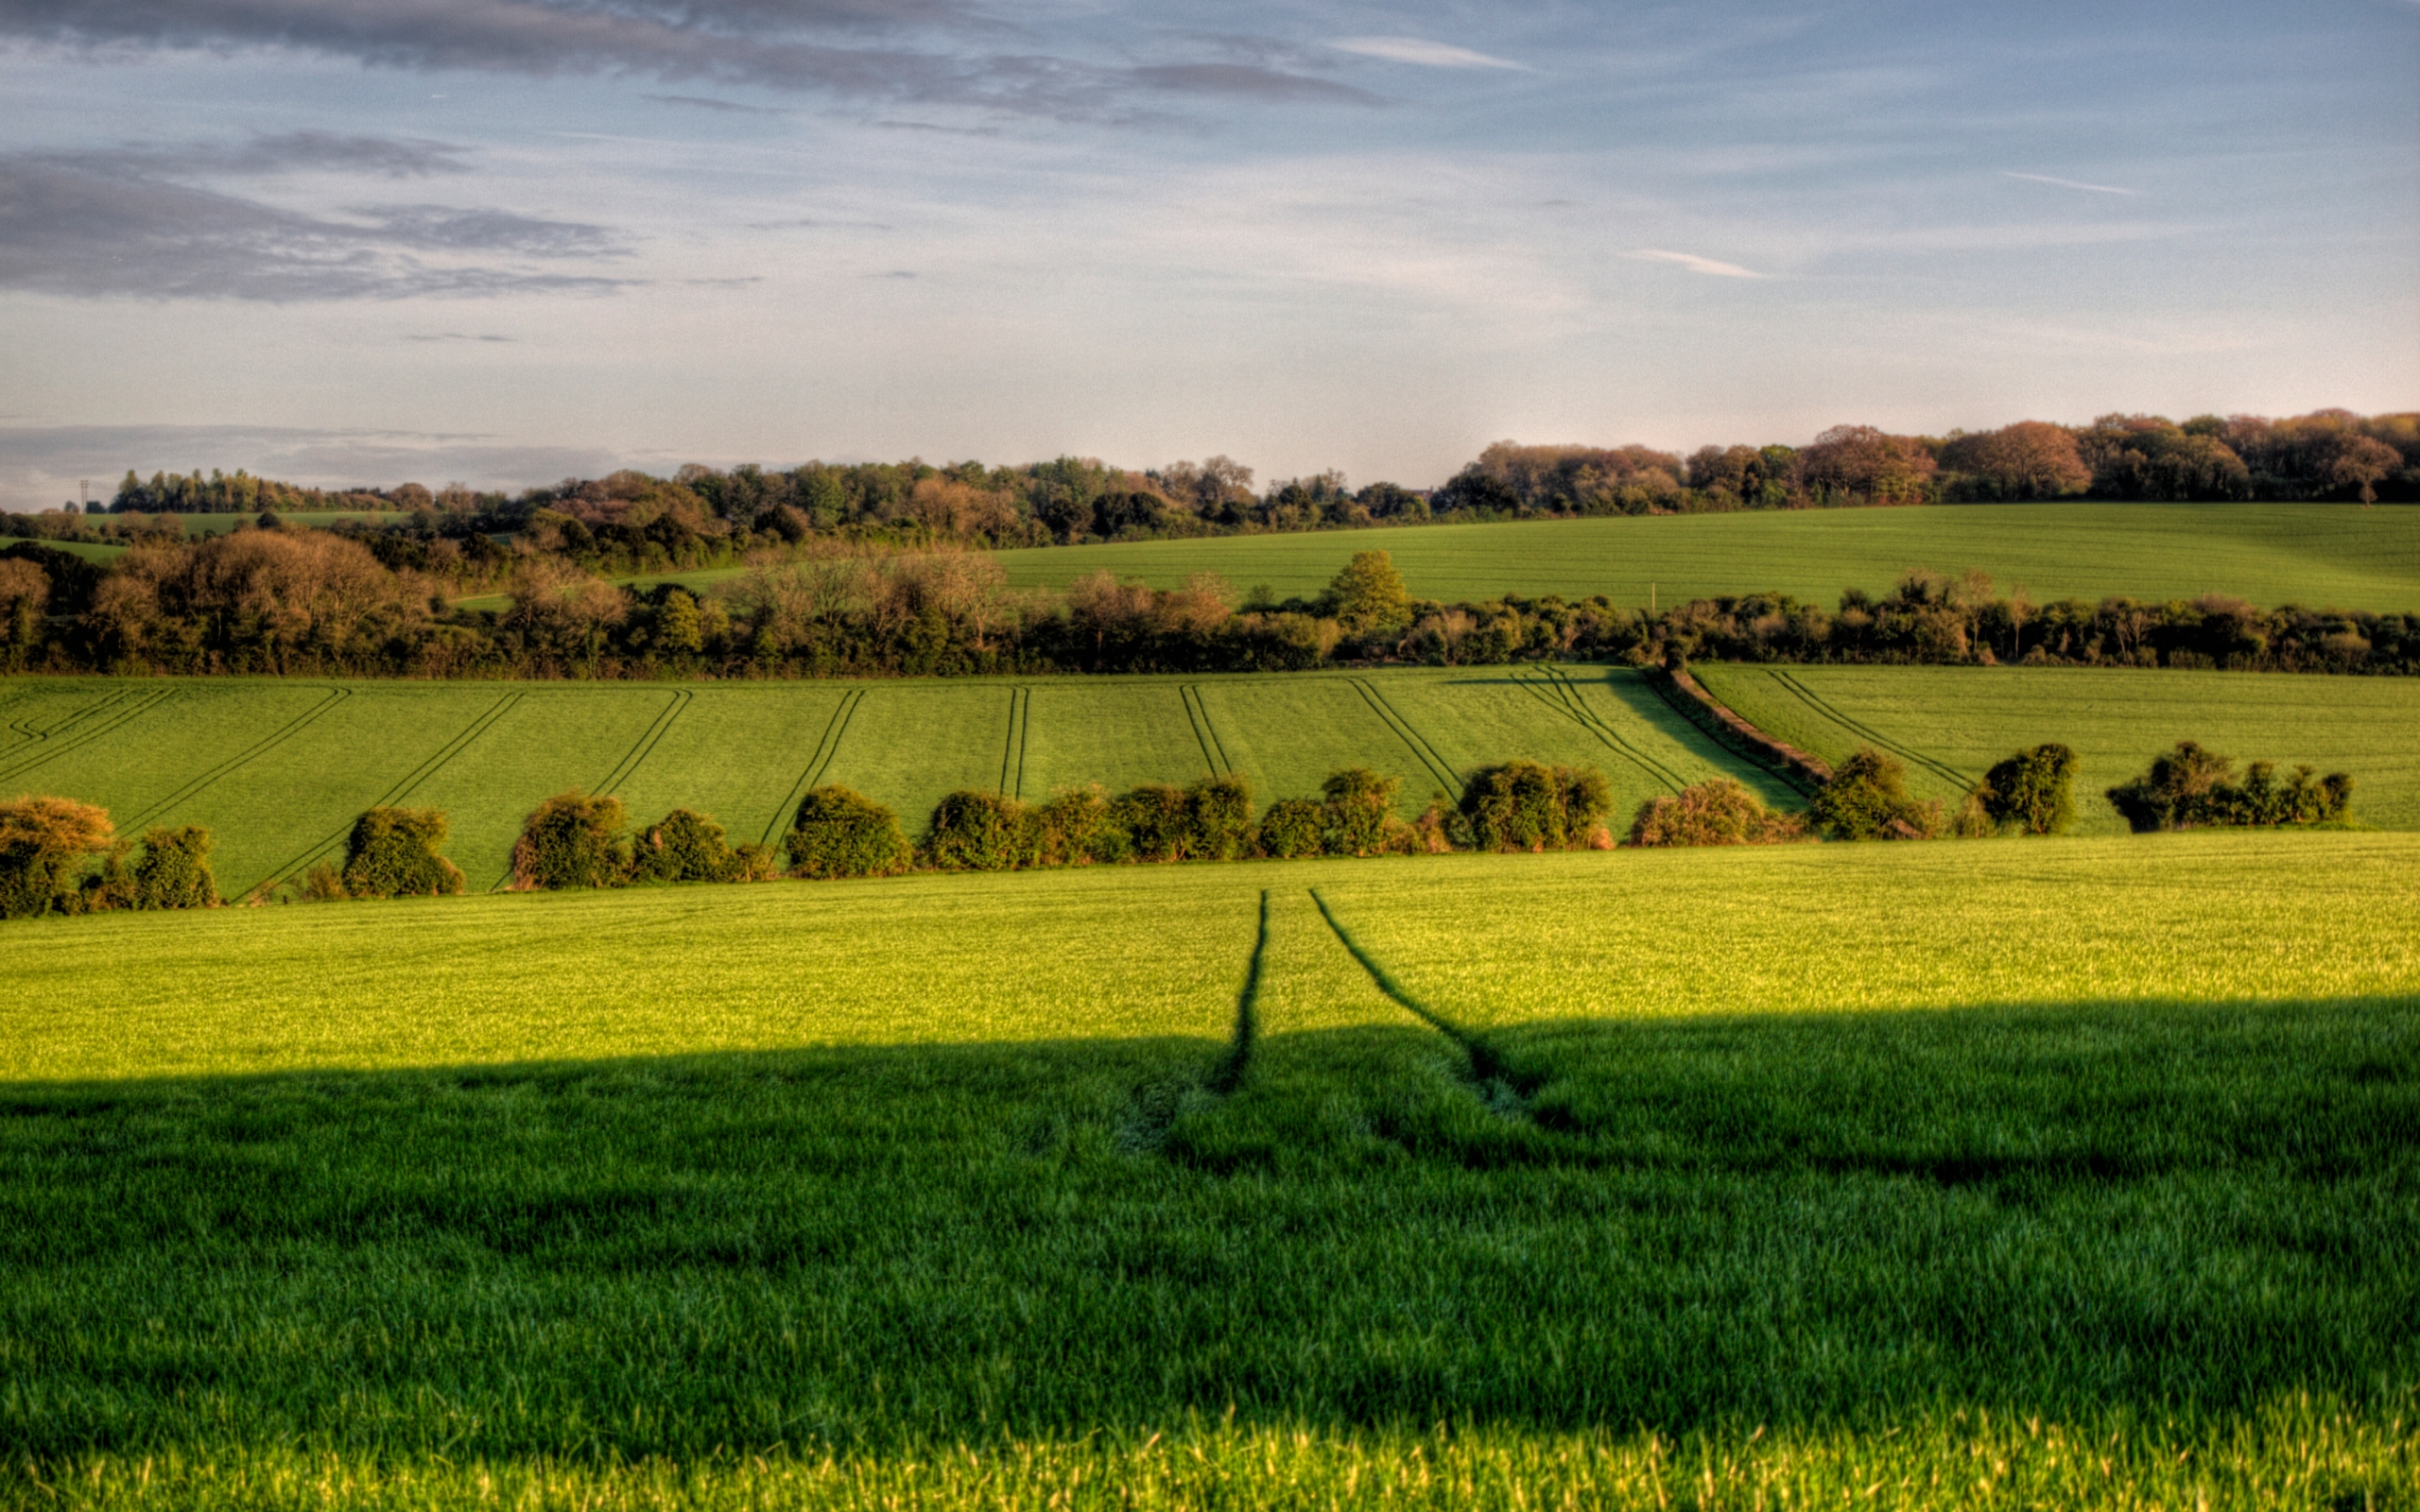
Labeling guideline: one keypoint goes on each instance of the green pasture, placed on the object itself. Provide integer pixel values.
(2020, 1173)
(278, 769)
(1950, 724)
(2316, 555)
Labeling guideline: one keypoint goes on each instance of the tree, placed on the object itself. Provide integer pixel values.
(1369, 596)
(1718, 810)
(40, 838)
(2031, 459)
(572, 841)
(1525, 806)
(1857, 463)
(1358, 804)
(398, 854)
(1867, 800)
(2028, 793)
(840, 832)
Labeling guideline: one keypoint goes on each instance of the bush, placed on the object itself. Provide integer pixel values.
(395, 853)
(1867, 800)
(841, 832)
(2028, 793)
(1155, 821)
(976, 831)
(1715, 811)
(173, 871)
(1358, 804)
(2191, 786)
(1292, 827)
(41, 839)
(572, 841)
(1525, 806)
(1078, 828)
(683, 846)
(1217, 819)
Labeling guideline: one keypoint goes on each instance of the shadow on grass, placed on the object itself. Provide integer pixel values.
(1796, 1221)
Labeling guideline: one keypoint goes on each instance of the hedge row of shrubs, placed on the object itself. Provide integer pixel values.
(47, 843)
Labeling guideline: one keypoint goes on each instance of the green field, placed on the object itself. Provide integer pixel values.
(2065, 1173)
(279, 769)
(1950, 724)
(2316, 555)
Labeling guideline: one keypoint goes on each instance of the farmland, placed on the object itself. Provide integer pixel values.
(278, 769)
(2334, 556)
(1949, 724)
(1949, 1174)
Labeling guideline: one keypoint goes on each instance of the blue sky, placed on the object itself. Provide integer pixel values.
(504, 240)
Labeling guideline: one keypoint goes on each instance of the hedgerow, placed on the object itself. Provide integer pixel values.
(1523, 805)
(1718, 810)
(840, 832)
(2191, 787)
(573, 840)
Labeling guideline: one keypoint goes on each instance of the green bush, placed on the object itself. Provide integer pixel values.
(1867, 800)
(173, 869)
(683, 846)
(572, 841)
(1217, 819)
(2028, 793)
(1358, 803)
(1292, 827)
(979, 830)
(1525, 806)
(2192, 786)
(42, 840)
(1078, 827)
(1715, 811)
(395, 853)
(841, 832)
(1155, 819)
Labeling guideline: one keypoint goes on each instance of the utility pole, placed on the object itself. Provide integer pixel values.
(84, 493)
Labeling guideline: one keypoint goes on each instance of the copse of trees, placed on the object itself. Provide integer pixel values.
(46, 843)
(2192, 787)
(1524, 805)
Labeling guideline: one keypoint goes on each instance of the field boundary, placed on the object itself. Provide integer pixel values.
(1802, 770)
(1405, 730)
(401, 789)
(1817, 702)
(111, 715)
(261, 747)
(1205, 734)
(818, 761)
(644, 746)
(1565, 698)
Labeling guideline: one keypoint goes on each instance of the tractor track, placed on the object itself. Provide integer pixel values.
(817, 761)
(1557, 689)
(1404, 730)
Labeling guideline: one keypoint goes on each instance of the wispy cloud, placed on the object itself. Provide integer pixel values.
(1422, 52)
(2068, 183)
(1695, 264)
(1242, 79)
(703, 102)
(270, 155)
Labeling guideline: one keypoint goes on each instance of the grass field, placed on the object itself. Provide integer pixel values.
(2069, 1173)
(1950, 724)
(2317, 555)
(278, 769)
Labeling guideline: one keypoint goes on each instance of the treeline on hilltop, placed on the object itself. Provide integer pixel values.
(631, 523)
(298, 602)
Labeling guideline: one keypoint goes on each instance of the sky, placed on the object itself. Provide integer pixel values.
(502, 242)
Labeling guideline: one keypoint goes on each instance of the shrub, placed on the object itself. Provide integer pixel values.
(572, 841)
(2028, 793)
(1715, 811)
(1867, 800)
(683, 846)
(1217, 819)
(2191, 786)
(976, 831)
(1078, 828)
(1525, 806)
(1358, 804)
(1155, 821)
(1292, 827)
(173, 871)
(395, 853)
(840, 832)
(41, 839)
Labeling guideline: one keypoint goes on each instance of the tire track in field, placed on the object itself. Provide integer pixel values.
(110, 716)
(1556, 691)
(817, 761)
(236, 762)
(30, 734)
(403, 789)
(644, 746)
(1494, 1080)
(1156, 1107)
(1205, 734)
(1421, 751)
(1012, 748)
(1955, 778)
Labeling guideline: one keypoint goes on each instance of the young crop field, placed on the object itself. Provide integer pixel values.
(2316, 555)
(278, 769)
(2022, 1173)
(1950, 724)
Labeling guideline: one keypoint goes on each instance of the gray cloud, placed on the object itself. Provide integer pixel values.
(704, 102)
(67, 231)
(1246, 81)
(286, 153)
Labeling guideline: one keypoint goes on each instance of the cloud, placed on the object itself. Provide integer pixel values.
(67, 231)
(270, 155)
(1696, 264)
(1244, 80)
(1420, 51)
(726, 107)
(2068, 183)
